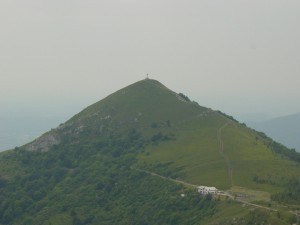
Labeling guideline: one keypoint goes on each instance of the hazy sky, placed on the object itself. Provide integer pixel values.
(239, 56)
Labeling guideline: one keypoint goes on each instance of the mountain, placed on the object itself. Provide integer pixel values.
(284, 129)
(137, 156)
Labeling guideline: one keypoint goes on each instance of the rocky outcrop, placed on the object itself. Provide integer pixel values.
(44, 143)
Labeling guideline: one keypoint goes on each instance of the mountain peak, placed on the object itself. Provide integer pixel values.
(146, 84)
(136, 106)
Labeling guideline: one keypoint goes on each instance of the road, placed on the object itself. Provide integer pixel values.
(223, 193)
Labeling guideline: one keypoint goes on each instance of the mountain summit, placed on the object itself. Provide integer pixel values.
(136, 106)
(137, 156)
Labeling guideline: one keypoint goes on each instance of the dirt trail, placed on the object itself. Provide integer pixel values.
(221, 151)
(255, 205)
(167, 178)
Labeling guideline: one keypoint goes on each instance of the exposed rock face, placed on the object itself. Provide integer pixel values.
(44, 143)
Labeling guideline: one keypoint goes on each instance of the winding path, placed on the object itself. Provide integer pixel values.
(221, 151)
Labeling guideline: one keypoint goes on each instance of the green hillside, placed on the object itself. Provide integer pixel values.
(136, 157)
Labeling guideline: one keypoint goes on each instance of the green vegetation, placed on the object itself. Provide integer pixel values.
(280, 149)
(291, 193)
(92, 182)
(227, 116)
(135, 157)
(230, 213)
(186, 98)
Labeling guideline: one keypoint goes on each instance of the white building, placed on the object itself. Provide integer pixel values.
(207, 190)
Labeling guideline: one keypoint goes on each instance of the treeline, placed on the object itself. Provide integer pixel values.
(284, 151)
(291, 193)
(227, 116)
(280, 149)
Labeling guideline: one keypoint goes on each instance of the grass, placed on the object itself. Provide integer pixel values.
(249, 195)
(251, 157)
(196, 150)
(227, 210)
(237, 213)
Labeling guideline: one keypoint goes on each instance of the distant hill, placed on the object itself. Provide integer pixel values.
(137, 156)
(285, 130)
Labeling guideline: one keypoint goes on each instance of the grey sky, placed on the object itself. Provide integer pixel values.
(58, 56)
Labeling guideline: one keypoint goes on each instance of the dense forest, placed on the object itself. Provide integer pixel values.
(92, 182)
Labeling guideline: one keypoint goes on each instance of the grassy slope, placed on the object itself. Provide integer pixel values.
(196, 148)
(142, 103)
(234, 213)
(250, 157)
